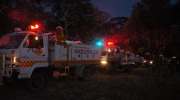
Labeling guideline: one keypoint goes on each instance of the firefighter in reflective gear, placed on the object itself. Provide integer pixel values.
(61, 39)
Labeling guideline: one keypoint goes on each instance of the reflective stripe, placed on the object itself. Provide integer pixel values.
(30, 63)
(59, 62)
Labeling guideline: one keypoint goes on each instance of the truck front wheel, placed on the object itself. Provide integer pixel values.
(36, 82)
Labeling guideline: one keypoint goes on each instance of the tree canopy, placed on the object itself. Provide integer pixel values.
(78, 17)
(152, 26)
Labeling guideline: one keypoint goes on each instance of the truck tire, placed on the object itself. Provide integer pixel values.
(87, 73)
(36, 82)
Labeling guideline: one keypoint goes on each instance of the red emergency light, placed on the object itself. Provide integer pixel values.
(110, 43)
(34, 27)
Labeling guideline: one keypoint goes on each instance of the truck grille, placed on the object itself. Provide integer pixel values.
(7, 65)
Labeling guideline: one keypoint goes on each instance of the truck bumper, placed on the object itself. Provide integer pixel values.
(13, 78)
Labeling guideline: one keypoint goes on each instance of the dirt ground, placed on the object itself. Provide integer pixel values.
(139, 84)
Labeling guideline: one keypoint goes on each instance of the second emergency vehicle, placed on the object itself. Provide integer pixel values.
(113, 58)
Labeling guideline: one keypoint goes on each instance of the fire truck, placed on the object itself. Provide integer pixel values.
(113, 58)
(33, 56)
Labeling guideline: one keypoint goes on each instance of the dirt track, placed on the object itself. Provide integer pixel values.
(136, 85)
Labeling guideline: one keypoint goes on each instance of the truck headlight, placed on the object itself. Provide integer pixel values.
(15, 59)
(104, 62)
(151, 62)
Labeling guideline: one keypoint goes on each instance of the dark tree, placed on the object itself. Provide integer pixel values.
(150, 26)
(153, 28)
(4, 20)
(79, 18)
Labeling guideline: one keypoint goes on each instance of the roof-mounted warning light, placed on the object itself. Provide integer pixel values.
(99, 43)
(110, 43)
(35, 27)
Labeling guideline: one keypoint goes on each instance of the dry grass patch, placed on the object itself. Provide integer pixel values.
(139, 84)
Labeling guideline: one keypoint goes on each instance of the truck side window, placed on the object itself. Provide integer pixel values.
(34, 42)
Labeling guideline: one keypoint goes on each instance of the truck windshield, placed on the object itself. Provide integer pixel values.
(11, 41)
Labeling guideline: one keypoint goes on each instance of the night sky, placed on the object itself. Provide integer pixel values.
(116, 8)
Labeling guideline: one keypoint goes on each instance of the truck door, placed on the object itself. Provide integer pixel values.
(34, 51)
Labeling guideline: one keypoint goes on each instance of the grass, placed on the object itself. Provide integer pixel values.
(139, 84)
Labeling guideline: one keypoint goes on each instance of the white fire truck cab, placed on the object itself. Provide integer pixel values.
(34, 56)
(113, 58)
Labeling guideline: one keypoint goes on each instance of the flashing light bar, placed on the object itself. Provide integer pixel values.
(33, 27)
(110, 43)
(99, 43)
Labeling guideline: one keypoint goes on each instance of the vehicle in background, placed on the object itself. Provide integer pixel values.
(113, 58)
